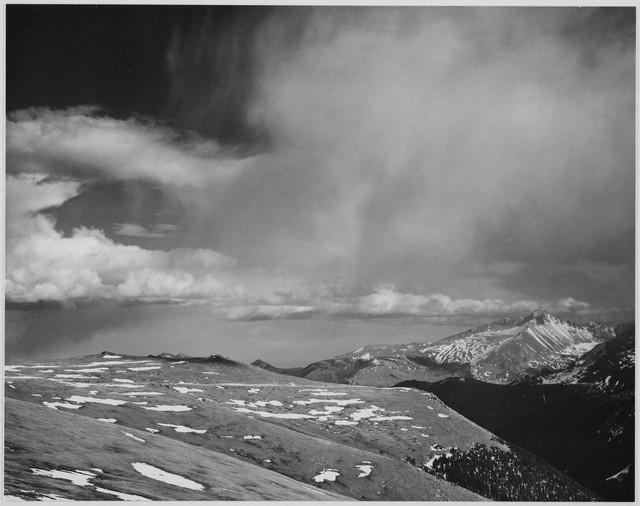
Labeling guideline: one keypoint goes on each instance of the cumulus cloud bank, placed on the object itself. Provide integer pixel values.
(438, 151)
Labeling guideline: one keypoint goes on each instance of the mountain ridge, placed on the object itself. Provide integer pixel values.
(498, 352)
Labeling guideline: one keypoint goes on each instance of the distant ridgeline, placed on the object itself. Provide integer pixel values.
(499, 352)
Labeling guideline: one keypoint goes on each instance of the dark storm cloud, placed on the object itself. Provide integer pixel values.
(431, 147)
(403, 160)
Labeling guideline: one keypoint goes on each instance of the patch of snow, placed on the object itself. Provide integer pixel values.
(56, 405)
(210, 372)
(122, 385)
(186, 390)
(268, 461)
(115, 362)
(165, 407)
(145, 368)
(13, 368)
(121, 495)
(182, 428)
(75, 376)
(363, 413)
(442, 415)
(81, 399)
(330, 393)
(128, 434)
(339, 402)
(326, 475)
(90, 369)
(109, 355)
(403, 429)
(268, 414)
(252, 437)
(620, 474)
(345, 422)
(123, 380)
(78, 478)
(327, 410)
(142, 394)
(429, 463)
(256, 404)
(97, 470)
(141, 403)
(179, 362)
(253, 390)
(51, 497)
(158, 474)
(36, 395)
(365, 470)
(390, 418)
(107, 420)
(149, 429)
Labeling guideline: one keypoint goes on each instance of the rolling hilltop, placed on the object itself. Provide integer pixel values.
(498, 352)
(179, 428)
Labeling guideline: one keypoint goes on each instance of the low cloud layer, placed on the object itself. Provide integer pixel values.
(420, 162)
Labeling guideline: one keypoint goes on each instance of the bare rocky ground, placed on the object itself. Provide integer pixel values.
(108, 427)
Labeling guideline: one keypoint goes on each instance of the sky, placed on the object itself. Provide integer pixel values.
(291, 183)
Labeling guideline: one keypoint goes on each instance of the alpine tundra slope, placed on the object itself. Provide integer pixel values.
(164, 427)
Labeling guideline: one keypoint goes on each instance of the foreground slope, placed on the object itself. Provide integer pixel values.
(580, 419)
(497, 352)
(358, 442)
(363, 443)
(52, 454)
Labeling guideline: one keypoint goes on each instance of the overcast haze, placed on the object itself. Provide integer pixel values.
(243, 180)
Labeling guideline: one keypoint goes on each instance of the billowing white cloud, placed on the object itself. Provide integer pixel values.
(80, 141)
(387, 301)
(42, 264)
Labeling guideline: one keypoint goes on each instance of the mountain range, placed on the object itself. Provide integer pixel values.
(498, 352)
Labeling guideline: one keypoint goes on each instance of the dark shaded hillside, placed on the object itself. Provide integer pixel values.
(584, 431)
(514, 476)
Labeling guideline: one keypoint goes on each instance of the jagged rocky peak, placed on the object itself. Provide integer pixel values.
(540, 316)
